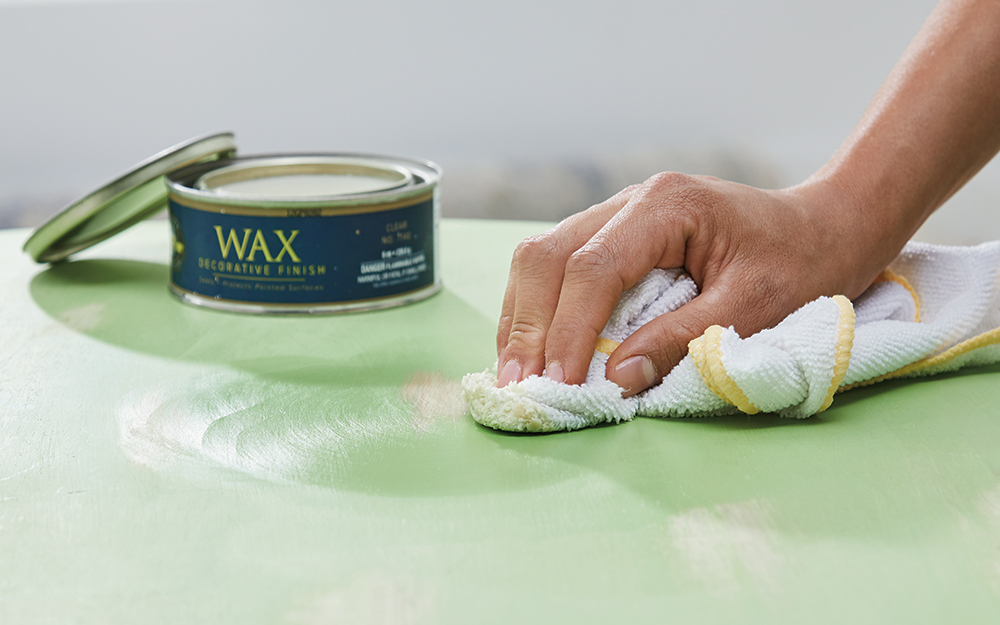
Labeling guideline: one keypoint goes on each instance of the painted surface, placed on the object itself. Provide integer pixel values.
(161, 464)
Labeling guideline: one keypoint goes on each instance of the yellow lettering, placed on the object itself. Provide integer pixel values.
(232, 241)
(286, 246)
(260, 244)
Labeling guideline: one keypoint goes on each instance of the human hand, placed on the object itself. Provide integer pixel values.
(759, 255)
(756, 256)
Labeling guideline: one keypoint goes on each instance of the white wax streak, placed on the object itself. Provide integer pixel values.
(232, 421)
(305, 185)
(374, 598)
(721, 542)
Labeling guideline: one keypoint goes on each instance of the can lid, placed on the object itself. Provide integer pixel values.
(135, 195)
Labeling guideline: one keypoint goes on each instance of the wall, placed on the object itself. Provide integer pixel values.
(90, 88)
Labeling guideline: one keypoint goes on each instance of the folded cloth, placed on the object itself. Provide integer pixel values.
(935, 309)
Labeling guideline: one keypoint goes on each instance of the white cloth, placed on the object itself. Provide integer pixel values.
(936, 309)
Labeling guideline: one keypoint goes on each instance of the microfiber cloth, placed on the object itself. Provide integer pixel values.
(935, 309)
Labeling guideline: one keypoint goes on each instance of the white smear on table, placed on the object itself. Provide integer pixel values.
(83, 318)
(375, 599)
(276, 430)
(163, 430)
(989, 505)
(721, 544)
(434, 399)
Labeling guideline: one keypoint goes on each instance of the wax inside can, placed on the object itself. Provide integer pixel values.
(304, 185)
(304, 178)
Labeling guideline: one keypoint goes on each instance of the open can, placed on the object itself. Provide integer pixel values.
(304, 233)
(282, 233)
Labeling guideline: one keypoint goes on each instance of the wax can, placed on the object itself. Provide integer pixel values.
(304, 233)
(277, 233)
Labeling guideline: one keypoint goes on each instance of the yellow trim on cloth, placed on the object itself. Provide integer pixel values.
(606, 346)
(706, 352)
(888, 275)
(845, 342)
(990, 337)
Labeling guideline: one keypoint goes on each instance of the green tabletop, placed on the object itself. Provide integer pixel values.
(161, 463)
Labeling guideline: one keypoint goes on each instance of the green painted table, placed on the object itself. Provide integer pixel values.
(161, 463)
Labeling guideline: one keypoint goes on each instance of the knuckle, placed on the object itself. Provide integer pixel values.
(628, 191)
(593, 259)
(679, 192)
(536, 250)
(503, 331)
(667, 180)
(525, 337)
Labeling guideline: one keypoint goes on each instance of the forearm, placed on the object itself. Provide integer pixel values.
(756, 255)
(934, 123)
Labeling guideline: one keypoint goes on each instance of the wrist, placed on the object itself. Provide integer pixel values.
(857, 232)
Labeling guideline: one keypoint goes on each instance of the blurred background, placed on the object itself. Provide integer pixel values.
(535, 108)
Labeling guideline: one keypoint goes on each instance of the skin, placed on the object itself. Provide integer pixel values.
(758, 255)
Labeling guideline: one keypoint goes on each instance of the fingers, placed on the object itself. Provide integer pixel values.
(533, 290)
(647, 232)
(653, 350)
(756, 255)
(643, 359)
(506, 315)
(536, 293)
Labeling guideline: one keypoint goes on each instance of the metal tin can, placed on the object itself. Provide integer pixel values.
(311, 233)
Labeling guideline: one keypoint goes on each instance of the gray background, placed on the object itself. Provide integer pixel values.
(534, 108)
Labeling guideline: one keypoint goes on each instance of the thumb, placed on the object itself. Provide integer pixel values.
(644, 358)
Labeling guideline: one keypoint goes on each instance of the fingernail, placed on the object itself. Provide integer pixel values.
(635, 375)
(511, 373)
(554, 371)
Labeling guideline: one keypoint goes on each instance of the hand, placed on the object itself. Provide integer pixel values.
(756, 256)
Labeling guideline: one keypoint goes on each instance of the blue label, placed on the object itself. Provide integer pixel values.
(309, 259)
